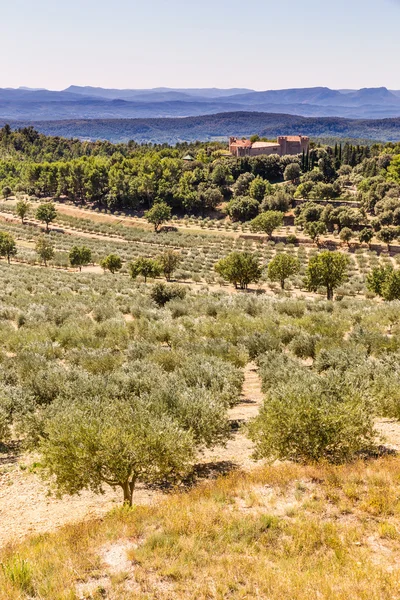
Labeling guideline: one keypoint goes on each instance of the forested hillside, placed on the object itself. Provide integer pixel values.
(215, 126)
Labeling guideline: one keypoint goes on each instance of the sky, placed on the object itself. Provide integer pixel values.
(258, 44)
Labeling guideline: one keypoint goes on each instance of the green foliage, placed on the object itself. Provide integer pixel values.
(92, 441)
(169, 261)
(315, 229)
(80, 256)
(8, 246)
(239, 268)
(377, 277)
(158, 214)
(304, 420)
(346, 234)
(22, 209)
(243, 208)
(266, 222)
(326, 269)
(147, 267)
(112, 263)
(385, 282)
(45, 249)
(366, 235)
(47, 213)
(281, 267)
(162, 293)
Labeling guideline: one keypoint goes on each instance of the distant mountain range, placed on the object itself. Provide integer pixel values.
(99, 103)
(218, 127)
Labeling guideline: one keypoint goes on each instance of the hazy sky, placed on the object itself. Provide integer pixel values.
(262, 44)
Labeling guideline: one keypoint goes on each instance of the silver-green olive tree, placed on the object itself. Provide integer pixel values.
(92, 442)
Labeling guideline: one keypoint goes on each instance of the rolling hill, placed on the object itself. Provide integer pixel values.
(217, 126)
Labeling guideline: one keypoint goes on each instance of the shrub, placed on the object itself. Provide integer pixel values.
(302, 421)
(162, 293)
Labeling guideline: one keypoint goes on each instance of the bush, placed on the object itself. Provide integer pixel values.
(302, 421)
(163, 293)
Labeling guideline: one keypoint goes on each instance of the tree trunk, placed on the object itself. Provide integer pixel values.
(127, 488)
(282, 284)
(329, 293)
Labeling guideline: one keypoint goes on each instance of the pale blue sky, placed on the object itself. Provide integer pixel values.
(262, 44)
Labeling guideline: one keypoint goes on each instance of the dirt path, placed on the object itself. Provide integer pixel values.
(239, 449)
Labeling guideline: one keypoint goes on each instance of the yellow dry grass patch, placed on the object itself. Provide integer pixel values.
(279, 532)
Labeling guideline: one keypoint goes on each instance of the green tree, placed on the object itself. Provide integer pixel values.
(267, 222)
(345, 235)
(239, 268)
(46, 213)
(366, 236)
(6, 191)
(80, 256)
(22, 209)
(115, 442)
(258, 188)
(169, 260)
(45, 249)
(315, 229)
(8, 246)
(387, 235)
(158, 214)
(326, 269)
(111, 263)
(281, 267)
(292, 172)
(147, 267)
(391, 286)
(302, 421)
(377, 277)
(242, 208)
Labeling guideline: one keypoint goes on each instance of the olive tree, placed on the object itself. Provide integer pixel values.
(45, 249)
(22, 209)
(46, 213)
(8, 246)
(326, 269)
(239, 268)
(281, 267)
(267, 221)
(92, 442)
(302, 420)
(158, 214)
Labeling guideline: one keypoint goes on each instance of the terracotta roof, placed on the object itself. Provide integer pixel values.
(265, 145)
(242, 144)
(293, 138)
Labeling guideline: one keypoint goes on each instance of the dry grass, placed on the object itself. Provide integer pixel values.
(278, 532)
